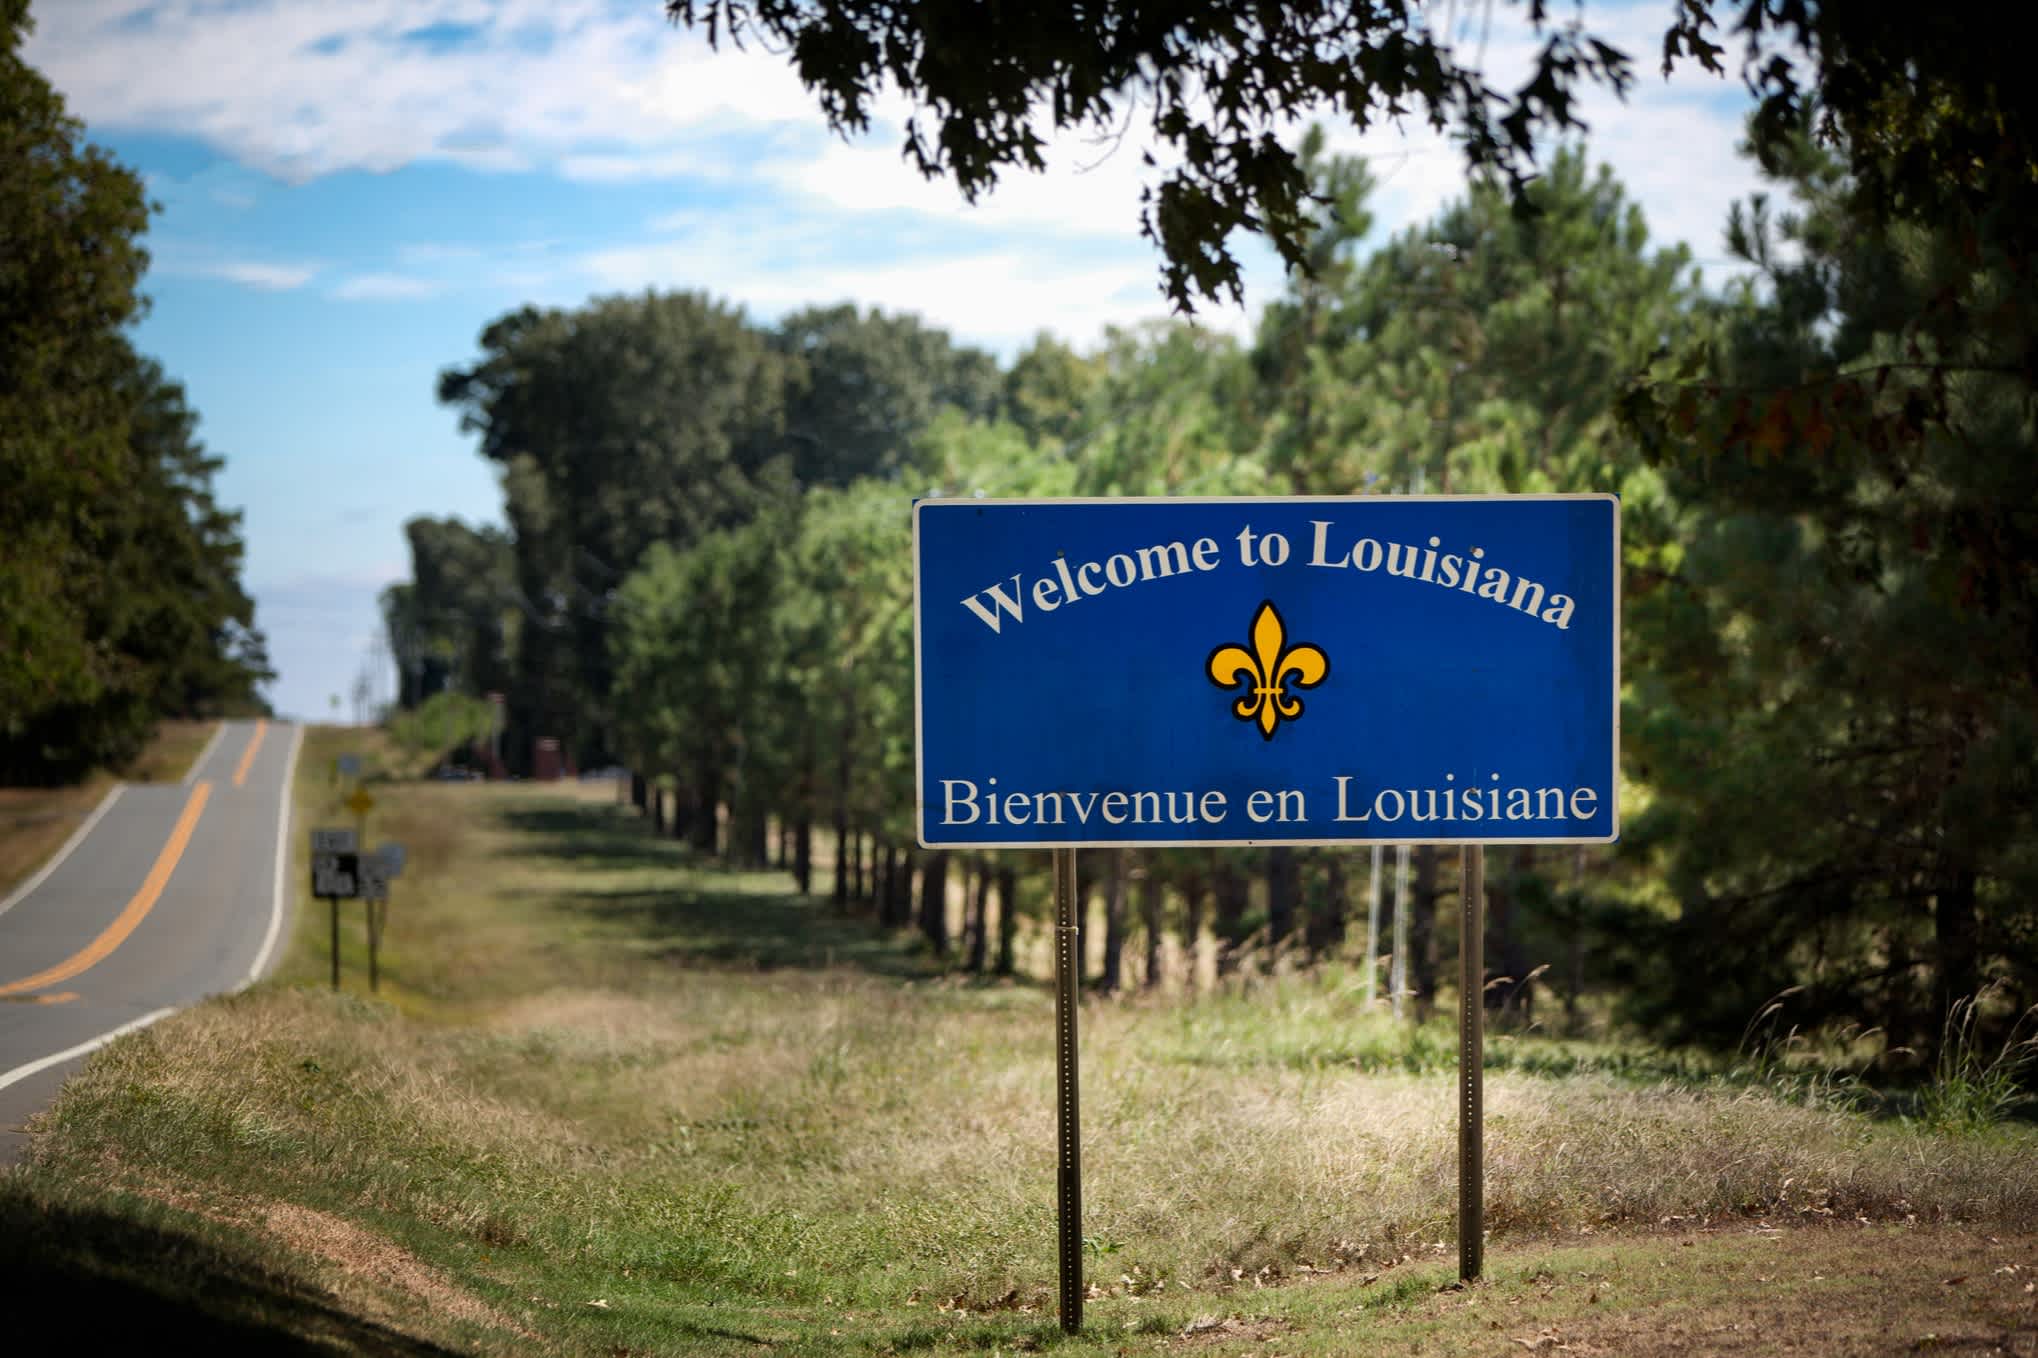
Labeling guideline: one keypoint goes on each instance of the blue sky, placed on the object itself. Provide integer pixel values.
(352, 189)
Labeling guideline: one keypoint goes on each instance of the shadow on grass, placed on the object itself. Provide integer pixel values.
(759, 930)
(993, 1336)
(704, 925)
(601, 834)
(112, 1285)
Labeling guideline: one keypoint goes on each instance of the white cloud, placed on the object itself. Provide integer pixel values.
(303, 90)
(1671, 142)
(993, 291)
(267, 277)
(612, 167)
(608, 91)
(384, 287)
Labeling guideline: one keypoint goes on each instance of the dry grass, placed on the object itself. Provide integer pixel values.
(581, 1079)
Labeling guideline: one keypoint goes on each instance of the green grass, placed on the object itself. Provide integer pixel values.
(601, 1071)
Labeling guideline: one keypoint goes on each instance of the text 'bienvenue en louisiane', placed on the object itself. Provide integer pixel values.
(1466, 570)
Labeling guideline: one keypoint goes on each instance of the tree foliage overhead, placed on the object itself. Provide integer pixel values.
(1929, 112)
(1224, 82)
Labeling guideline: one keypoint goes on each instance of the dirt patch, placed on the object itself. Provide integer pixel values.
(356, 1252)
(1829, 1292)
(360, 1253)
(1208, 1331)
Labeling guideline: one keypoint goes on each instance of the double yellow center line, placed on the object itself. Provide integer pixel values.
(138, 908)
(248, 755)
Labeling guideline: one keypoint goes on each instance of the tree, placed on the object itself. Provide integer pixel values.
(1171, 414)
(866, 383)
(1048, 388)
(446, 723)
(631, 421)
(194, 629)
(453, 625)
(695, 652)
(71, 221)
(167, 628)
(1837, 713)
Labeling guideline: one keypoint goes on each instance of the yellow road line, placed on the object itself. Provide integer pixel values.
(248, 756)
(137, 909)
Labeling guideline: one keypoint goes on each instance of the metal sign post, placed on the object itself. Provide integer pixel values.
(335, 875)
(1373, 930)
(360, 803)
(1068, 943)
(1471, 1066)
(1397, 970)
(374, 947)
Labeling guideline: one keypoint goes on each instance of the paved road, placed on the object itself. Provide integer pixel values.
(171, 893)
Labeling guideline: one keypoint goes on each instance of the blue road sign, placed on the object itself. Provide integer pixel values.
(1377, 669)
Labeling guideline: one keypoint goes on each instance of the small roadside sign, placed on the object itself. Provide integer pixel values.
(391, 856)
(335, 876)
(349, 765)
(360, 803)
(334, 841)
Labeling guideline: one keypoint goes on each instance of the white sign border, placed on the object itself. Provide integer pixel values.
(920, 744)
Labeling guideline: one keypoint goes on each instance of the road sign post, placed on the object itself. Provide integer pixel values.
(341, 871)
(377, 869)
(1277, 671)
(1068, 954)
(360, 803)
(1472, 1064)
(335, 876)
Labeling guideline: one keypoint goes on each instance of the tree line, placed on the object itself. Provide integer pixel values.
(1829, 732)
(120, 593)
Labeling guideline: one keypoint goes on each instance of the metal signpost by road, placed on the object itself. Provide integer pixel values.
(340, 871)
(335, 876)
(1272, 671)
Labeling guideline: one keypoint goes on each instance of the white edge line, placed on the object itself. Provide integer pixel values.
(90, 1045)
(20, 1073)
(77, 837)
(276, 908)
(218, 730)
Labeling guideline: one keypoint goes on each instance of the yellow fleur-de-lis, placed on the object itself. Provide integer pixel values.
(1267, 670)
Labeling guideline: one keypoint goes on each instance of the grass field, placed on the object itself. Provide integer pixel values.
(614, 1101)
(35, 821)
